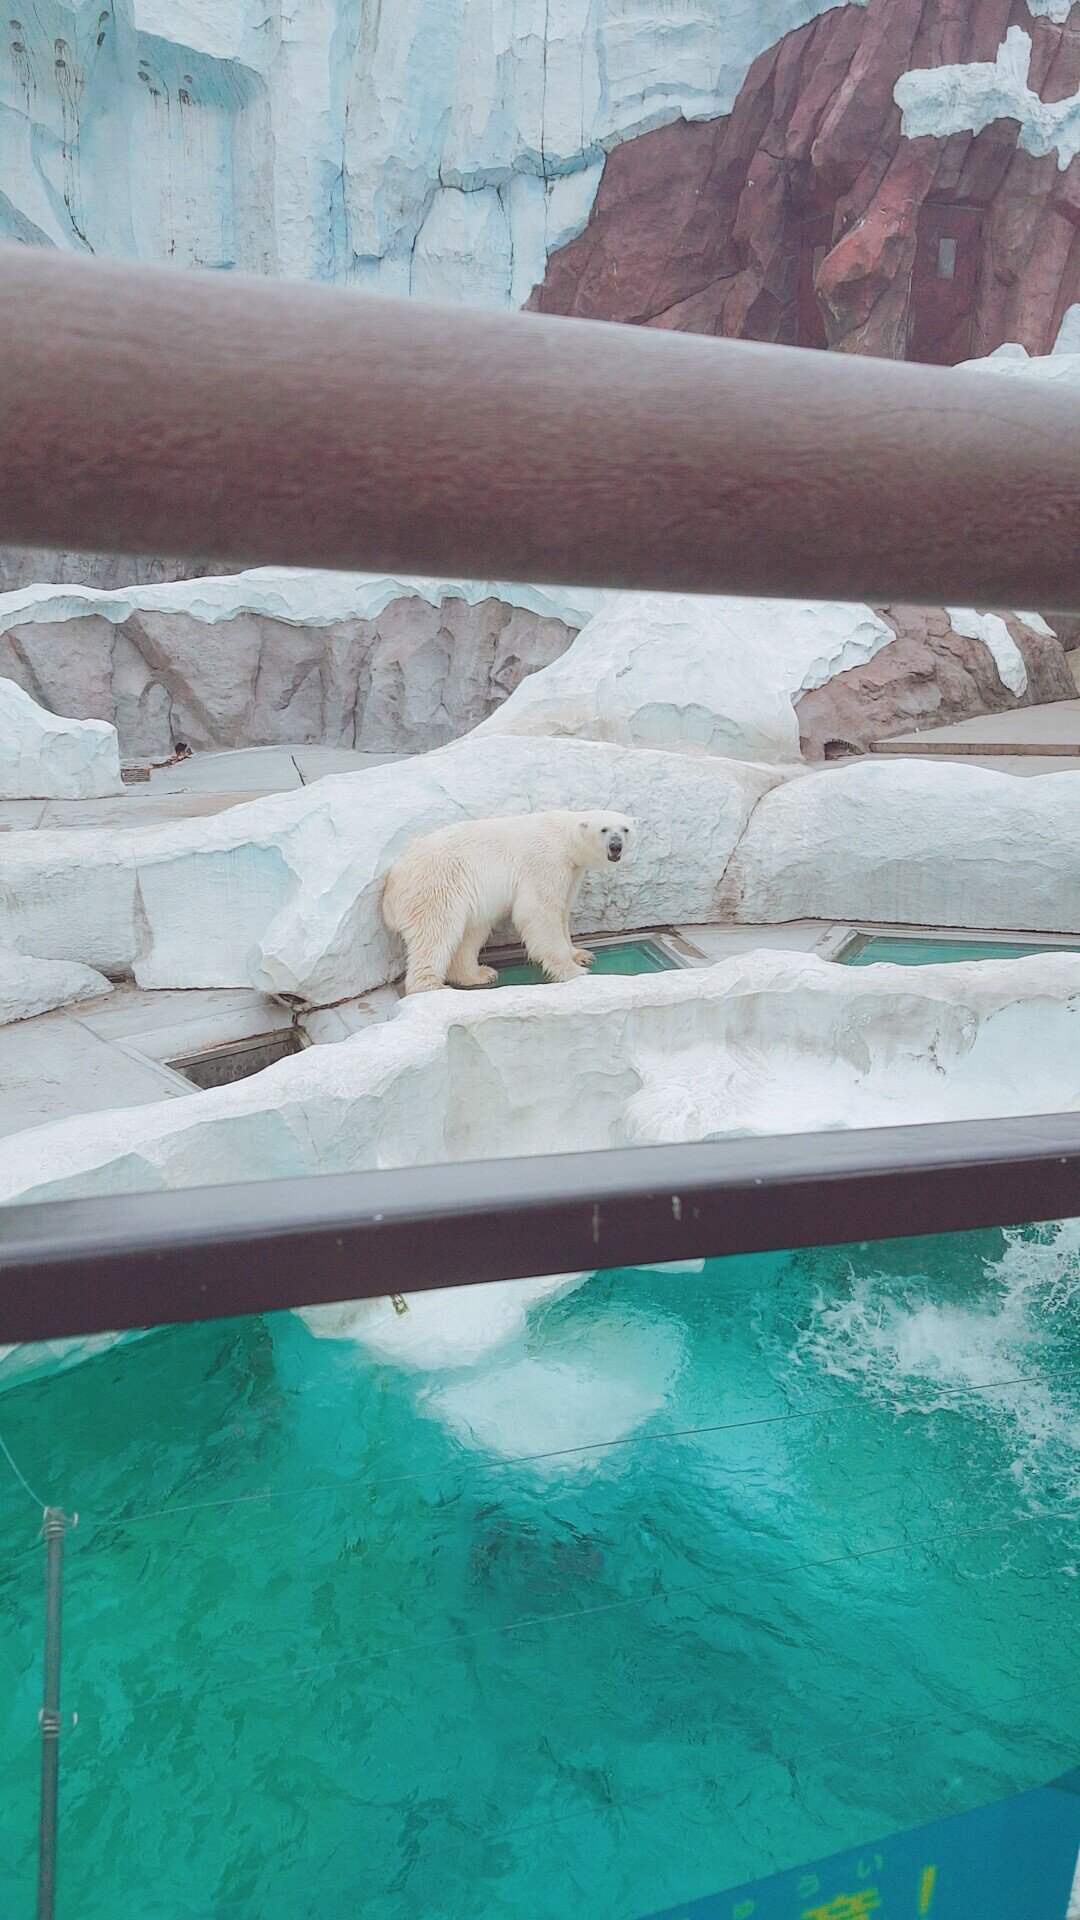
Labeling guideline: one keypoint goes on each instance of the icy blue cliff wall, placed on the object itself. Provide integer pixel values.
(435, 147)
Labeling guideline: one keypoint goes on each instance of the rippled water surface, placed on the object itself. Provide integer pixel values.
(698, 1576)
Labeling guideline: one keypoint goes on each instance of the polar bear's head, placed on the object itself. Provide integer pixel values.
(603, 837)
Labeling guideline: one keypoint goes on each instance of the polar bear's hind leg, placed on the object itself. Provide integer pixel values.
(431, 948)
(465, 968)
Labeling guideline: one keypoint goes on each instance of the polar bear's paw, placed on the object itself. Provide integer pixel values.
(583, 957)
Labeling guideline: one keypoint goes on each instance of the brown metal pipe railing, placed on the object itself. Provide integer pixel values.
(252, 421)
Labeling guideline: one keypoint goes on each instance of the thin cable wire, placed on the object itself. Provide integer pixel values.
(270, 1495)
(375, 1658)
(21, 1477)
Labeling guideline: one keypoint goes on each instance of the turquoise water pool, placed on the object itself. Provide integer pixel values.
(622, 957)
(701, 1575)
(903, 950)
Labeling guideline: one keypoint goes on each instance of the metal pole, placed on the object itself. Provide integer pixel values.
(55, 1523)
(258, 421)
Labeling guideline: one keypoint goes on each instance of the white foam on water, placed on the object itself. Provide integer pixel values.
(896, 1339)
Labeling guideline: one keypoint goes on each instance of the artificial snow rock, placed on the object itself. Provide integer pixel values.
(913, 842)
(283, 656)
(30, 986)
(438, 150)
(766, 1043)
(968, 98)
(694, 673)
(43, 757)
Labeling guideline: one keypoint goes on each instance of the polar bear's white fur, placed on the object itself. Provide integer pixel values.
(450, 888)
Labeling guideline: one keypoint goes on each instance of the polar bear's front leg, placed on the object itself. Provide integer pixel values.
(465, 968)
(582, 955)
(540, 924)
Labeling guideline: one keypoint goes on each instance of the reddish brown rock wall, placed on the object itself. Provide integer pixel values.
(928, 677)
(805, 217)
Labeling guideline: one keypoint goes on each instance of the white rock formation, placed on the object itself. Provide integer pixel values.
(912, 842)
(448, 1327)
(769, 1042)
(284, 893)
(297, 596)
(967, 98)
(287, 657)
(442, 150)
(990, 628)
(29, 986)
(44, 757)
(281, 656)
(694, 673)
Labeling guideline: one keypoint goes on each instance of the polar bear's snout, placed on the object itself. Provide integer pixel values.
(614, 836)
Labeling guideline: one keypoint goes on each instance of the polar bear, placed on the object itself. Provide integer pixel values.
(450, 888)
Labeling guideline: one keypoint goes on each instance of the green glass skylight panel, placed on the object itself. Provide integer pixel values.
(622, 956)
(901, 951)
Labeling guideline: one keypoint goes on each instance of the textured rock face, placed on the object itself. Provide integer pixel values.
(270, 658)
(283, 893)
(901, 841)
(280, 657)
(695, 673)
(768, 1043)
(930, 676)
(807, 216)
(23, 566)
(43, 757)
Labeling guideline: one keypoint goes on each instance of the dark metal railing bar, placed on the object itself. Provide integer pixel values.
(119, 1262)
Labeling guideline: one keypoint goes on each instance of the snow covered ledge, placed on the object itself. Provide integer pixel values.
(43, 757)
(766, 1043)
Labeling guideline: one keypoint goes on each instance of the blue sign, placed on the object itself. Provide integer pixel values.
(1018, 1859)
